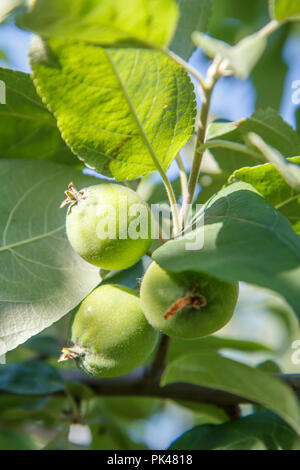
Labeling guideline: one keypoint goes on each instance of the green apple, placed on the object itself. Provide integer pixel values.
(108, 225)
(188, 304)
(109, 333)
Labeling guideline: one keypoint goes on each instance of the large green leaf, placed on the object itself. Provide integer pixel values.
(120, 109)
(209, 369)
(27, 129)
(41, 277)
(103, 21)
(194, 16)
(30, 378)
(283, 10)
(263, 426)
(245, 239)
(267, 180)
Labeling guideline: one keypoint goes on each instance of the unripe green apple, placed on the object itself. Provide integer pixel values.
(188, 304)
(109, 333)
(108, 225)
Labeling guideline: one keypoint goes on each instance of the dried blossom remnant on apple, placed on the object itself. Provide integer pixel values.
(73, 196)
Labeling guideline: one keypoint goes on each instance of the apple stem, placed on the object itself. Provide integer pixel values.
(197, 301)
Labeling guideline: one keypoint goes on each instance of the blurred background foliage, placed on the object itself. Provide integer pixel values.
(263, 327)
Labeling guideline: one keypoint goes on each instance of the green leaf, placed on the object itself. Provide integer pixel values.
(273, 129)
(209, 369)
(103, 21)
(180, 347)
(270, 126)
(27, 129)
(288, 170)
(194, 16)
(245, 239)
(263, 426)
(41, 278)
(30, 378)
(267, 180)
(240, 59)
(285, 10)
(124, 111)
(269, 366)
(218, 129)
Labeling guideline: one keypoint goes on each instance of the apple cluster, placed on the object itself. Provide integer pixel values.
(115, 329)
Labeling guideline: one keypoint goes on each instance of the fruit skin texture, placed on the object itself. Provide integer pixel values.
(84, 218)
(111, 332)
(161, 288)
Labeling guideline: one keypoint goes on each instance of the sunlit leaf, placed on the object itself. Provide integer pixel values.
(284, 10)
(267, 180)
(124, 111)
(103, 21)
